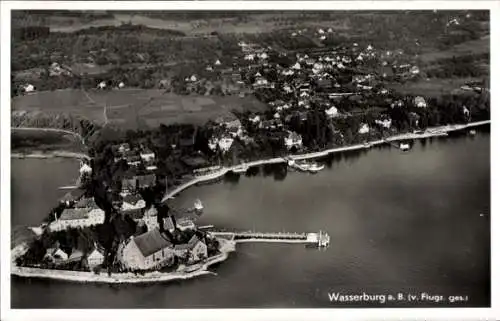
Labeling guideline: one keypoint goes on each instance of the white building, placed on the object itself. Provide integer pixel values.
(225, 143)
(147, 251)
(147, 156)
(332, 112)
(293, 140)
(414, 70)
(29, 88)
(56, 254)
(95, 258)
(364, 129)
(77, 217)
(121, 85)
(386, 123)
(101, 85)
(420, 102)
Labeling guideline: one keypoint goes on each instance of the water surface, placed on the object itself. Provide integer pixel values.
(399, 222)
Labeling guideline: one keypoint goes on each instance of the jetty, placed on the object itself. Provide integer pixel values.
(320, 240)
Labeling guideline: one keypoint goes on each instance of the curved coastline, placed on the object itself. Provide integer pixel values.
(119, 278)
(51, 154)
(228, 246)
(431, 132)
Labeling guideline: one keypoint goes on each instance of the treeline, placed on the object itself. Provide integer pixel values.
(462, 66)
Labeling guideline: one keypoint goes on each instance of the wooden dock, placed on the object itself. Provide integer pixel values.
(321, 239)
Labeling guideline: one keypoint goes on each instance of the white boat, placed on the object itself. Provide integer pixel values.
(314, 168)
(404, 147)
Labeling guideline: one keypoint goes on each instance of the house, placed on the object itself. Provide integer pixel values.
(254, 119)
(147, 155)
(267, 124)
(134, 213)
(364, 129)
(169, 224)
(195, 248)
(419, 102)
(225, 143)
(55, 254)
(86, 202)
(386, 123)
(129, 185)
(150, 218)
(414, 70)
(121, 85)
(73, 196)
(123, 148)
(133, 160)
(466, 111)
(95, 257)
(293, 140)
(101, 85)
(76, 256)
(332, 112)
(28, 88)
(185, 223)
(133, 201)
(144, 181)
(77, 217)
(147, 251)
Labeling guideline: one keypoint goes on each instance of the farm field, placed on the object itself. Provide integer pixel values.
(71, 101)
(136, 108)
(434, 87)
(25, 141)
(478, 46)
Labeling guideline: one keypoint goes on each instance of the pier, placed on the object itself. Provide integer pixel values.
(321, 239)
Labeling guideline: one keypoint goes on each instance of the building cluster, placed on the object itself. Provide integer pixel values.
(79, 211)
(155, 249)
(91, 258)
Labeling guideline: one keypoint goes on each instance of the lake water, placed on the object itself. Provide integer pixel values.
(399, 223)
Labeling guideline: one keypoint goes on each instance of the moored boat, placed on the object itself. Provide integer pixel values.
(315, 167)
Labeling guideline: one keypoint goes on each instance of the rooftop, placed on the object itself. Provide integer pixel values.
(74, 214)
(151, 242)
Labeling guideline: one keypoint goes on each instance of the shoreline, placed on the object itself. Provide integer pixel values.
(119, 278)
(49, 154)
(430, 132)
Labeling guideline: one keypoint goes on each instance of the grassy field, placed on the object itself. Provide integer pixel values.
(136, 108)
(60, 101)
(478, 46)
(434, 87)
(27, 141)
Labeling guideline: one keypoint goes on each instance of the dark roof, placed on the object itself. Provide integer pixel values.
(151, 242)
(135, 213)
(74, 214)
(132, 198)
(74, 195)
(134, 158)
(168, 223)
(146, 180)
(87, 202)
(189, 245)
(129, 183)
